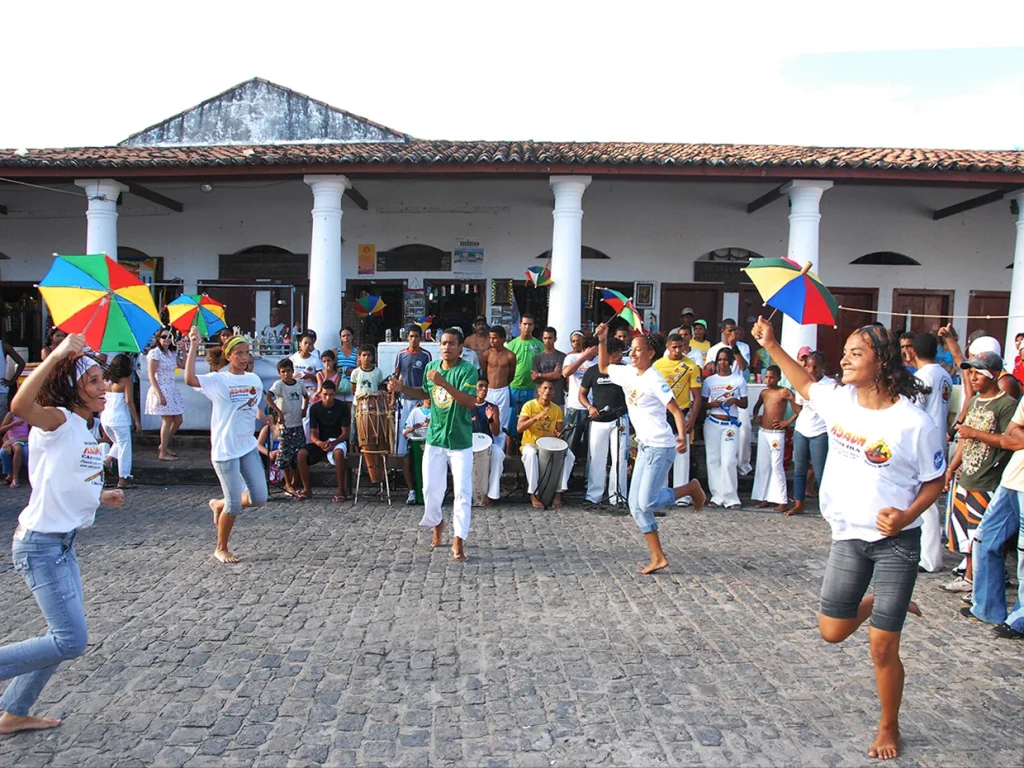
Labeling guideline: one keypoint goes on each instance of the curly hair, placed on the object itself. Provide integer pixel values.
(60, 389)
(120, 368)
(891, 374)
(215, 358)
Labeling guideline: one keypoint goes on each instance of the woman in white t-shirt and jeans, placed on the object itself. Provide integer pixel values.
(236, 395)
(886, 465)
(648, 396)
(58, 400)
(810, 436)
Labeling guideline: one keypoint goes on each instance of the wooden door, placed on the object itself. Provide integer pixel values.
(988, 303)
(704, 298)
(832, 340)
(920, 303)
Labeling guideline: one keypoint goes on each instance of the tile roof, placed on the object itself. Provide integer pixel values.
(416, 155)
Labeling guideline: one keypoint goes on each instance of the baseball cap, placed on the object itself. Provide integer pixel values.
(985, 344)
(479, 318)
(687, 311)
(803, 352)
(984, 361)
(703, 323)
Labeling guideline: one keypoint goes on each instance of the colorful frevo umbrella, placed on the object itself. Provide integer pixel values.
(199, 310)
(369, 305)
(95, 296)
(623, 307)
(793, 290)
(539, 276)
(424, 322)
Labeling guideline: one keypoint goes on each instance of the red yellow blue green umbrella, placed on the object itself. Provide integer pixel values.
(623, 307)
(199, 310)
(369, 305)
(95, 296)
(539, 276)
(424, 322)
(793, 290)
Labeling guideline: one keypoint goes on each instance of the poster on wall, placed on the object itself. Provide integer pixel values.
(367, 258)
(468, 257)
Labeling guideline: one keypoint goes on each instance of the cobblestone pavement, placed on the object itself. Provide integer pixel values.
(342, 639)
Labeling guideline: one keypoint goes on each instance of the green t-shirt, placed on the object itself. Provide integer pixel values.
(451, 425)
(982, 465)
(524, 352)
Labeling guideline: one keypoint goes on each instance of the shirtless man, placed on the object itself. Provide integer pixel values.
(770, 478)
(480, 340)
(498, 365)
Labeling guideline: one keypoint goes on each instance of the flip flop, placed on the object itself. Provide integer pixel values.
(339, 499)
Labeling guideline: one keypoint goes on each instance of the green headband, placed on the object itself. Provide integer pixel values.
(231, 343)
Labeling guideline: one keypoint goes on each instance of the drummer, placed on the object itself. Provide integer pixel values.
(450, 383)
(487, 421)
(410, 365)
(539, 418)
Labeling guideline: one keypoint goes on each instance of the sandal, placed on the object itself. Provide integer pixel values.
(301, 496)
(339, 499)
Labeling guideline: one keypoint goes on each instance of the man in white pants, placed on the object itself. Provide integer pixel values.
(936, 404)
(540, 418)
(450, 383)
(487, 421)
(683, 375)
(609, 430)
(770, 476)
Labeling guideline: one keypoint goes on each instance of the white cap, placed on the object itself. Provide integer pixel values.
(984, 344)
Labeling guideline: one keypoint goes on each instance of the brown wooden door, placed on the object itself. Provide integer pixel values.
(920, 302)
(988, 303)
(832, 340)
(704, 298)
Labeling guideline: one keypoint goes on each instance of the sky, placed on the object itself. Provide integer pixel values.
(895, 73)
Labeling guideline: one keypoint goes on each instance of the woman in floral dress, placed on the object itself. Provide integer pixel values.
(164, 399)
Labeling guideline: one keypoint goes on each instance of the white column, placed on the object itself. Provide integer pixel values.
(1016, 324)
(804, 218)
(566, 256)
(326, 282)
(101, 233)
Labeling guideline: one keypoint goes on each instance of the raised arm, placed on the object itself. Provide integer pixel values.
(603, 358)
(793, 371)
(19, 361)
(571, 368)
(24, 404)
(396, 386)
(190, 359)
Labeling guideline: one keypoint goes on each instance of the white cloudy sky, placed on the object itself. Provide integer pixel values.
(894, 73)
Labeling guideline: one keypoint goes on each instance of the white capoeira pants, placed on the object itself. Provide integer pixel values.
(681, 472)
(721, 443)
(436, 461)
(770, 475)
(608, 437)
(531, 465)
(931, 539)
(494, 472)
(502, 399)
(407, 407)
(745, 436)
(122, 448)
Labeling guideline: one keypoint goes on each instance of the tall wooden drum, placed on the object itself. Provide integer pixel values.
(373, 429)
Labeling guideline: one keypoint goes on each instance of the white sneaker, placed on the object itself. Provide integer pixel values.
(411, 498)
(959, 584)
(686, 501)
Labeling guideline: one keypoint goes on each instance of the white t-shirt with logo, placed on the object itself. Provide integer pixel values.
(936, 403)
(236, 402)
(310, 365)
(722, 388)
(647, 397)
(66, 473)
(876, 459)
(808, 422)
(572, 395)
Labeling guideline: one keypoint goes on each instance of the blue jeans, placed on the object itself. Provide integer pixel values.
(1016, 617)
(517, 399)
(49, 566)
(998, 525)
(233, 473)
(814, 448)
(648, 490)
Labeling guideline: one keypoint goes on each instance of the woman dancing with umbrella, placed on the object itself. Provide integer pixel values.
(58, 400)
(647, 398)
(886, 466)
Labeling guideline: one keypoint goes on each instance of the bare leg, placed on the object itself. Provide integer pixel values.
(16, 723)
(796, 509)
(17, 452)
(216, 506)
(694, 491)
(175, 426)
(290, 476)
(658, 559)
(889, 677)
(303, 462)
(407, 470)
(339, 471)
(458, 550)
(224, 525)
(438, 530)
(164, 453)
(557, 503)
(968, 569)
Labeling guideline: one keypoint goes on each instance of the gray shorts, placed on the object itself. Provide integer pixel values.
(891, 564)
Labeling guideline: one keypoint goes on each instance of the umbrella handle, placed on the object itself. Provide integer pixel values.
(102, 302)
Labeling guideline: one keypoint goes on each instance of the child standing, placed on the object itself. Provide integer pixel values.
(118, 416)
(367, 379)
(287, 398)
(770, 477)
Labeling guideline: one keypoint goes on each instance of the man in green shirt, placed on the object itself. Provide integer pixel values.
(450, 383)
(524, 347)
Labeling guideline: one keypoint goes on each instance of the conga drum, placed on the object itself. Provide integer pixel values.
(416, 457)
(481, 467)
(372, 426)
(550, 461)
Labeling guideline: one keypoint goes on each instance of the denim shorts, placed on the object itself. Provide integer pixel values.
(890, 563)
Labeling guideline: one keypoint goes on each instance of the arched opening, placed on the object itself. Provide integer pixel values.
(261, 249)
(887, 259)
(586, 252)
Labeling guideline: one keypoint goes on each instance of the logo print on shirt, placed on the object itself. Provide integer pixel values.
(937, 459)
(878, 453)
(440, 397)
(947, 391)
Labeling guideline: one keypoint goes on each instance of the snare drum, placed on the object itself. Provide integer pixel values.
(550, 461)
(373, 428)
(481, 467)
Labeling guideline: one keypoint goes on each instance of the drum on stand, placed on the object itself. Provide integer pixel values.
(481, 467)
(550, 462)
(416, 457)
(373, 425)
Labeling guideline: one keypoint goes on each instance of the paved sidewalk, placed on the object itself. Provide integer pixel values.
(341, 639)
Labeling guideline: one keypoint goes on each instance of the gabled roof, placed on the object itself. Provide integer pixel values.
(261, 112)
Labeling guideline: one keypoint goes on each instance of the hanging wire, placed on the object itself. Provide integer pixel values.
(48, 189)
(922, 314)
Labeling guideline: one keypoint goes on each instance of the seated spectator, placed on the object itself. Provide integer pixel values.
(539, 418)
(13, 447)
(487, 421)
(328, 432)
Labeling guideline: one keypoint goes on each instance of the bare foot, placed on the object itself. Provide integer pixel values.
(172, 453)
(699, 499)
(223, 556)
(458, 551)
(16, 723)
(886, 745)
(781, 508)
(762, 505)
(796, 509)
(654, 565)
(557, 504)
(216, 506)
(536, 502)
(912, 608)
(489, 502)
(162, 457)
(436, 541)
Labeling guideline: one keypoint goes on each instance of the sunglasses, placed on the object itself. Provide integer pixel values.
(165, 337)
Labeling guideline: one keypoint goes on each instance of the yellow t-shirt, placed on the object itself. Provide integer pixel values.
(703, 346)
(682, 375)
(543, 428)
